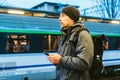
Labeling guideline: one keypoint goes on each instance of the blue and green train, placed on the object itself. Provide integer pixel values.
(23, 41)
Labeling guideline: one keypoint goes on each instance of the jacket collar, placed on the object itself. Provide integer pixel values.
(72, 28)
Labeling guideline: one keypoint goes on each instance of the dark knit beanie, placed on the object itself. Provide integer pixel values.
(72, 12)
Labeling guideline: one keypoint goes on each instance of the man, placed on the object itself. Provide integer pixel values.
(72, 63)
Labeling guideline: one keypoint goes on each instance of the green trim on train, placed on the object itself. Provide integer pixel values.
(48, 32)
(107, 34)
(30, 31)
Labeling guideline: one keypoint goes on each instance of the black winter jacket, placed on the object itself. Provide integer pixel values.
(75, 62)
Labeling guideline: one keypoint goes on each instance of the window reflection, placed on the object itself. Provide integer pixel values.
(17, 43)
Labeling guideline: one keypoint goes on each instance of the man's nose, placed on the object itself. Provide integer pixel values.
(59, 19)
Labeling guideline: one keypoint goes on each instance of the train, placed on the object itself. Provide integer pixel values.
(25, 39)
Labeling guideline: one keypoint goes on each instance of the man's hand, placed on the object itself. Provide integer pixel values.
(54, 58)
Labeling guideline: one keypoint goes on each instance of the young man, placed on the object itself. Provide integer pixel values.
(72, 62)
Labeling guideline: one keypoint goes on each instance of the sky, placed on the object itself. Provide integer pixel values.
(30, 3)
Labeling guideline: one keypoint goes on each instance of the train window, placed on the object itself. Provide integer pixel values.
(117, 42)
(17, 43)
(113, 43)
(51, 43)
(22, 43)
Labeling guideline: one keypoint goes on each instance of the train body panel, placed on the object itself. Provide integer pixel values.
(26, 65)
(37, 67)
(111, 57)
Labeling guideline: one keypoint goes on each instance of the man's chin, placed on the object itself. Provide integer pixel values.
(63, 27)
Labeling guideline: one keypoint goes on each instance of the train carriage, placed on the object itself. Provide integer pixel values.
(23, 41)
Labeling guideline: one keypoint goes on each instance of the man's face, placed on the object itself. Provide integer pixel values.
(65, 21)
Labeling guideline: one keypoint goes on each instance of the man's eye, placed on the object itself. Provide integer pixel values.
(63, 15)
